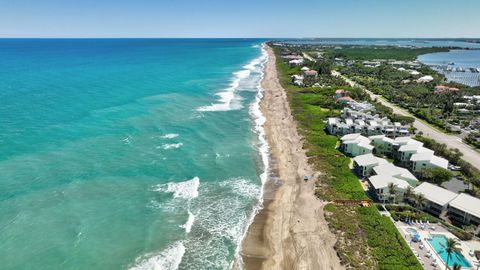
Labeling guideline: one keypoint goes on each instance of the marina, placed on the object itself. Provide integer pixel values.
(461, 66)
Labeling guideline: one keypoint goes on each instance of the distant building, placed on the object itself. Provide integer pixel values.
(339, 93)
(363, 164)
(295, 62)
(310, 73)
(425, 79)
(355, 145)
(297, 80)
(344, 100)
(357, 117)
(439, 89)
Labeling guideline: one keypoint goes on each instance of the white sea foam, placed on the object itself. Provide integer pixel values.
(169, 136)
(228, 99)
(167, 146)
(263, 148)
(188, 225)
(168, 259)
(186, 190)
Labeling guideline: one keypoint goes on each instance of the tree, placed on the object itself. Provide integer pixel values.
(435, 175)
(392, 191)
(451, 247)
(408, 194)
(420, 201)
(456, 266)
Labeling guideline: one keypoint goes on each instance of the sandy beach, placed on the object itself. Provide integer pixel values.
(290, 232)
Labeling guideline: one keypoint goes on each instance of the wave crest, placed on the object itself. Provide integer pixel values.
(169, 136)
(168, 259)
(186, 190)
(228, 100)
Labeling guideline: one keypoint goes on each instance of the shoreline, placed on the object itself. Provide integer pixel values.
(290, 230)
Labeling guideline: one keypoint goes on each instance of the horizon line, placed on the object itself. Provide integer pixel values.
(239, 37)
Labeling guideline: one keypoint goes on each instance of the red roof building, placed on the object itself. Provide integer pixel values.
(444, 89)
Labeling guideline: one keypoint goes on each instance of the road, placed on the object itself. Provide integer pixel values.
(452, 141)
(305, 55)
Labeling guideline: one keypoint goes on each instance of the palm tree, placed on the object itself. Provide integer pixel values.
(392, 190)
(456, 266)
(408, 194)
(420, 201)
(451, 248)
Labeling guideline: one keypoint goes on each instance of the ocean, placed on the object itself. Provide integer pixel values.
(128, 153)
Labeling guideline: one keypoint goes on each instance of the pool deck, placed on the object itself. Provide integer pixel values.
(425, 233)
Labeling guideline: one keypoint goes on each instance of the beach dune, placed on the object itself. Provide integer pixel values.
(290, 232)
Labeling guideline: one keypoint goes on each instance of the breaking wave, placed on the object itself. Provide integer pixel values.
(228, 99)
(168, 259)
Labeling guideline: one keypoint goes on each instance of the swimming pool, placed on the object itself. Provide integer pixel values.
(437, 241)
(411, 231)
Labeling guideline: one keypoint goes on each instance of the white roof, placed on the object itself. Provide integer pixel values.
(350, 137)
(432, 159)
(411, 146)
(390, 169)
(382, 181)
(332, 120)
(376, 137)
(404, 140)
(368, 159)
(435, 193)
(467, 204)
(305, 68)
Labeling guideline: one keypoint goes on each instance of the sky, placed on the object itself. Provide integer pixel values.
(240, 18)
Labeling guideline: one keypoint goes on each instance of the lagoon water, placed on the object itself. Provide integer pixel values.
(128, 154)
(457, 58)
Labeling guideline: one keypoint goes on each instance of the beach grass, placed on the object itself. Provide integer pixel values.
(365, 239)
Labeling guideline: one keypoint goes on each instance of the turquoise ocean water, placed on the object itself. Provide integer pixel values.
(128, 154)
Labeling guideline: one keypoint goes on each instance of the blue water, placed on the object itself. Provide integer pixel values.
(460, 58)
(438, 242)
(127, 153)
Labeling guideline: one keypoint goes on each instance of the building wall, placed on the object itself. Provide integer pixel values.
(419, 165)
(462, 217)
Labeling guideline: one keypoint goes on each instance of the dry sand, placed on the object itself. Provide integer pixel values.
(290, 232)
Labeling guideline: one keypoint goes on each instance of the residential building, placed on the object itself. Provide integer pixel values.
(439, 89)
(383, 145)
(405, 152)
(363, 164)
(465, 209)
(398, 172)
(425, 79)
(379, 185)
(344, 100)
(427, 160)
(437, 198)
(310, 73)
(355, 144)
